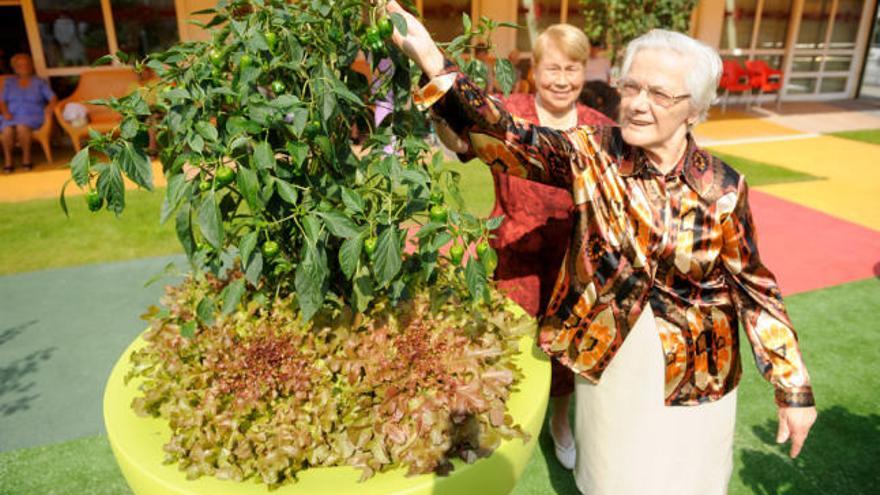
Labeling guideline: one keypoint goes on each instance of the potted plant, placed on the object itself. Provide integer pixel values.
(323, 322)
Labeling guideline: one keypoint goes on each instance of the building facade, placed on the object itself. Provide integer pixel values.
(826, 49)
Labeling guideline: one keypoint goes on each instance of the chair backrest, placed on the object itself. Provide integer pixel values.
(103, 83)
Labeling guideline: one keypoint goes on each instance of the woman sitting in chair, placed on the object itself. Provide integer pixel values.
(23, 101)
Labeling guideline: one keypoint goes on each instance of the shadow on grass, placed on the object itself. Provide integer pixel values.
(561, 479)
(840, 456)
(16, 393)
(12, 332)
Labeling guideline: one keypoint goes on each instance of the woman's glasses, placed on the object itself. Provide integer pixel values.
(629, 88)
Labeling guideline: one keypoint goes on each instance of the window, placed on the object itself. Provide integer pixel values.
(72, 32)
(75, 33)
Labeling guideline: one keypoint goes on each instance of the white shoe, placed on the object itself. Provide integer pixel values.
(565, 455)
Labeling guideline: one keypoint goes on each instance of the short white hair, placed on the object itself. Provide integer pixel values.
(702, 81)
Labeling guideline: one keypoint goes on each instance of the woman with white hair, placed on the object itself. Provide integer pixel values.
(661, 270)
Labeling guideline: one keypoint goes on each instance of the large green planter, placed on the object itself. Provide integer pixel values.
(137, 444)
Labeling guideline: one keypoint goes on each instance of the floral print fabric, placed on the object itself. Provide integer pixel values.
(683, 242)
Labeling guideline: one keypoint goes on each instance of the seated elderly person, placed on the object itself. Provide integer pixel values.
(23, 100)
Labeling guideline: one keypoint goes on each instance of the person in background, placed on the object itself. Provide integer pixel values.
(598, 92)
(23, 101)
(662, 268)
(538, 219)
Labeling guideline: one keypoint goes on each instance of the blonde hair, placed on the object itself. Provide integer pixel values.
(570, 40)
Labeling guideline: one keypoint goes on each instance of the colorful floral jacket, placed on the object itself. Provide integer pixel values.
(683, 242)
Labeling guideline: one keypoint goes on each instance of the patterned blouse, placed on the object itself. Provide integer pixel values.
(683, 242)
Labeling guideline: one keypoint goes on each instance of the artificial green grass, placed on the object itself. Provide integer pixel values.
(82, 466)
(866, 136)
(761, 174)
(36, 235)
(840, 338)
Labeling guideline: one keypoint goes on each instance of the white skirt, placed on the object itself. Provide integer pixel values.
(629, 442)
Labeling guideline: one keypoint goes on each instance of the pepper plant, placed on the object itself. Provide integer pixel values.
(254, 131)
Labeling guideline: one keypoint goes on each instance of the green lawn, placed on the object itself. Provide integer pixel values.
(840, 339)
(36, 235)
(868, 136)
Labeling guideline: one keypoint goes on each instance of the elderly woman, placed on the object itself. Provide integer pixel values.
(23, 100)
(538, 218)
(661, 270)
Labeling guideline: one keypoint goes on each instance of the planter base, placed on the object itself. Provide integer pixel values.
(137, 445)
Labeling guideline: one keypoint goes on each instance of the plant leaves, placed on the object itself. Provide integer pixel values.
(505, 75)
(210, 222)
(232, 295)
(206, 130)
(176, 189)
(206, 309)
(264, 158)
(246, 247)
(137, 166)
(399, 23)
(387, 256)
(249, 185)
(339, 224)
(112, 188)
(79, 167)
(311, 280)
(350, 254)
(183, 228)
(352, 200)
(286, 191)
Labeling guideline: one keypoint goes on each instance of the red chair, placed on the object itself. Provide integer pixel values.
(764, 79)
(734, 79)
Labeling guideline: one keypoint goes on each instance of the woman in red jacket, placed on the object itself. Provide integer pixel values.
(537, 223)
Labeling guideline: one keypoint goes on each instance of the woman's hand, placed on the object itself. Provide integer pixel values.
(795, 424)
(417, 44)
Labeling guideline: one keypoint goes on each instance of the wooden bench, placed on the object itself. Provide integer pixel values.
(97, 84)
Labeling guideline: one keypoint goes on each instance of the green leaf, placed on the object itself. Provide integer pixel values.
(311, 280)
(61, 198)
(466, 22)
(264, 158)
(363, 289)
(112, 188)
(494, 222)
(505, 75)
(387, 256)
(475, 277)
(350, 254)
(246, 247)
(103, 60)
(249, 185)
(206, 309)
(206, 130)
(312, 227)
(128, 128)
(339, 224)
(79, 167)
(439, 241)
(209, 220)
(352, 200)
(399, 23)
(196, 143)
(298, 152)
(188, 329)
(232, 295)
(287, 192)
(177, 187)
(183, 228)
(254, 269)
(137, 166)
